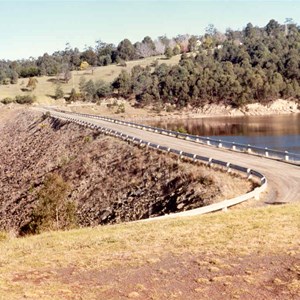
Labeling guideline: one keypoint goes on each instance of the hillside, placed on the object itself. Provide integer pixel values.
(105, 179)
(45, 89)
(244, 254)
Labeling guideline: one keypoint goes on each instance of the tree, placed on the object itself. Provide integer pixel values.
(89, 56)
(146, 48)
(89, 90)
(169, 52)
(249, 30)
(73, 96)
(123, 84)
(59, 93)
(14, 77)
(160, 47)
(32, 83)
(176, 50)
(82, 82)
(126, 50)
(210, 29)
(84, 65)
(103, 89)
(192, 43)
(273, 27)
(53, 211)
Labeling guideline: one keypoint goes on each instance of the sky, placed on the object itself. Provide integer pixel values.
(31, 28)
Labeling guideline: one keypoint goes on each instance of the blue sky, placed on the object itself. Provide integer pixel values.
(31, 28)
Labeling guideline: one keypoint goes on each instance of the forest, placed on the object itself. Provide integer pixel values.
(256, 64)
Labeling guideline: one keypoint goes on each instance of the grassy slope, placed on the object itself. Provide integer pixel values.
(45, 87)
(57, 265)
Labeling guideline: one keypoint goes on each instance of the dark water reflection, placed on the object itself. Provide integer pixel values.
(277, 132)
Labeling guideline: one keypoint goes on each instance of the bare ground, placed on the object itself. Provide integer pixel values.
(111, 181)
(184, 276)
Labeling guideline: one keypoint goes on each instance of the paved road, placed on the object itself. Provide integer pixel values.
(283, 178)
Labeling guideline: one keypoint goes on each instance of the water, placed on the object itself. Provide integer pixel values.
(275, 132)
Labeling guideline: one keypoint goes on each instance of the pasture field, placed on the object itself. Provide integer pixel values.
(46, 85)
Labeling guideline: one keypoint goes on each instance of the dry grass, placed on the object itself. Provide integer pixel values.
(46, 88)
(29, 266)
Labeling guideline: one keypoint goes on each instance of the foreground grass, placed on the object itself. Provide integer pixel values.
(28, 266)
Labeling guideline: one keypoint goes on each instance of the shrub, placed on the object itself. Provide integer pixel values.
(53, 211)
(46, 115)
(181, 129)
(7, 100)
(122, 63)
(27, 99)
(32, 83)
(103, 89)
(121, 108)
(73, 96)
(6, 81)
(59, 93)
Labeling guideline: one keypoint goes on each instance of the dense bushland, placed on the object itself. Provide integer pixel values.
(264, 65)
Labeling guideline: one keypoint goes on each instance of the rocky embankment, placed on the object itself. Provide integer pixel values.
(111, 181)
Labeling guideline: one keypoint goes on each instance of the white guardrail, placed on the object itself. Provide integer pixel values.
(223, 205)
(250, 149)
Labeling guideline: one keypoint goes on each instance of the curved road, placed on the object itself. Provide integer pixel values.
(283, 178)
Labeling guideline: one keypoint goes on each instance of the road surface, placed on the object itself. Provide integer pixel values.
(283, 178)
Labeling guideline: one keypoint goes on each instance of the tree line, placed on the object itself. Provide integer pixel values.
(256, 64)
(252, 65)
(102, 54)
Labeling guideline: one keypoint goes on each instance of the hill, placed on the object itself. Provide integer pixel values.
(45, 89)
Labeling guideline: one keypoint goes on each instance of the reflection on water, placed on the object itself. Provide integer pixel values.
(277, 132)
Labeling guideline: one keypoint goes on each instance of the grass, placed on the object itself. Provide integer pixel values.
(237, 233)
(45, 89)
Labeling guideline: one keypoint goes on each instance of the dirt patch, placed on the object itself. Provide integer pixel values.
(187, 276)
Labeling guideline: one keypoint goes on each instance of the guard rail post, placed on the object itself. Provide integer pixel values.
(249, 148)
(286, 155)
(266, 152)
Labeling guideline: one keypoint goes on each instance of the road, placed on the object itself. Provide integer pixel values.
(283, 178)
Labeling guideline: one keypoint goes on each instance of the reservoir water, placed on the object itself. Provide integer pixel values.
(280, 132)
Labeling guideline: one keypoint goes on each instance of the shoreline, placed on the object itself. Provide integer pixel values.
(148, 114)
(275, 108)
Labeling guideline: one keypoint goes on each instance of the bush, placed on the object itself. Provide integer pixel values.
(46, 115)
(59, 93)
(122, 63)
(74, 96)
(181, 129)
(169, 52)
(7, 100)
(103, 89)
(121, 108)
(53, 211)
(6, 81)
(27, 99)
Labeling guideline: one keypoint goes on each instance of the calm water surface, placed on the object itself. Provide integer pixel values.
(276, 132)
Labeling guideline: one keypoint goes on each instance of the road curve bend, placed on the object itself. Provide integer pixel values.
(283, 178)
